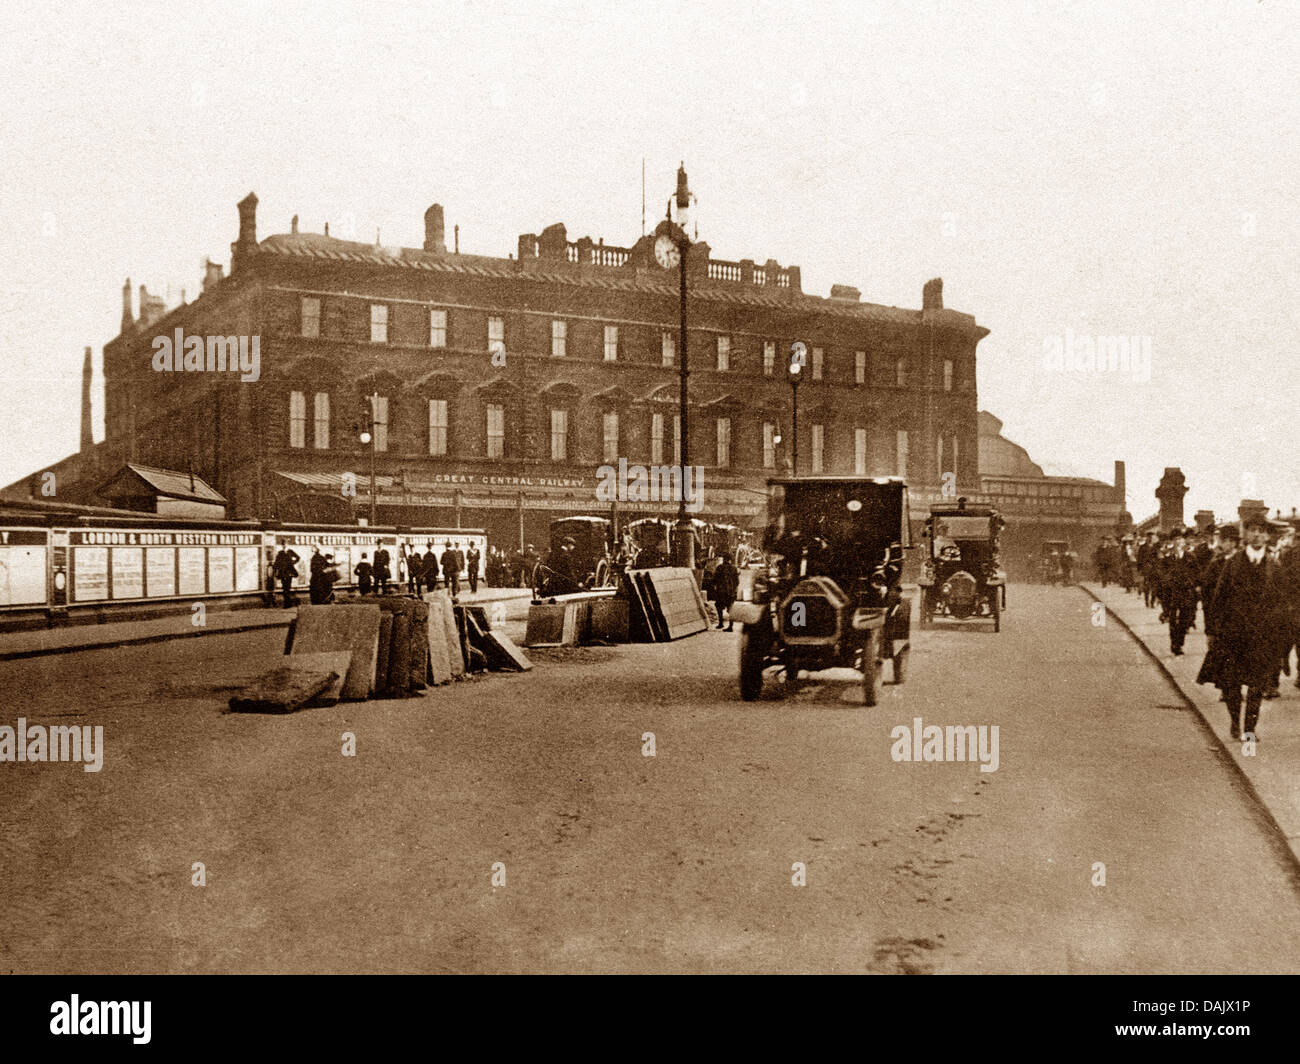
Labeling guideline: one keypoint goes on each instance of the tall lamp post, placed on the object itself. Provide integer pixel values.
(367, 436)
(793, 372)
(672, 249)
(784, 464)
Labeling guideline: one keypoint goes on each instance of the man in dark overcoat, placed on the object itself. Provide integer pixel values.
(382, 572)
(284, 569)
(726, 579)
(1288, 629)
(451, 570)
(472, 560)
(1226, 541)
(1180, 579)
(430, 565)
(1246, 608)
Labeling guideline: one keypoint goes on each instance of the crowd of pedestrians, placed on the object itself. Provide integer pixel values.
(423, 571)
(1249, 599)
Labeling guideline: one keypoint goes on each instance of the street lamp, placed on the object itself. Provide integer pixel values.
(777, 438)
(367, 437)
(671, 249)
(793, 372)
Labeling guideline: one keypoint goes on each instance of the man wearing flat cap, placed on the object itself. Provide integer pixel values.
(1246, 607)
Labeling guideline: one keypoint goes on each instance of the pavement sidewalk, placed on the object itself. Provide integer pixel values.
(79, 637)
(1272, 769)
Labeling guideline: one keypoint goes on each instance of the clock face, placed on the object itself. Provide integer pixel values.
(666, 252)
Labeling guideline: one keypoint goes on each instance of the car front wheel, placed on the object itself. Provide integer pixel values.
(753, 647)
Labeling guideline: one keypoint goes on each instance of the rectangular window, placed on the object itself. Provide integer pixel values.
(769, 445)
(819, 446)
(901, 447)
(724, 441)
(297, 419)
(559, 435)
(656, 439)
(496, 332)
(322, 421)
(900, 373)
(818, 363)
(860, 452)
(940, 455)
(724, 353)
(378, 323)
(769, 357)
(610, 427)
(611, 343)
(496, 430)
(310, 317)
(381, 423)
(437, 328)
(437, 426)
(559, 335)
(947, 374)
(859, 367)
(954, 453)
(669, 349)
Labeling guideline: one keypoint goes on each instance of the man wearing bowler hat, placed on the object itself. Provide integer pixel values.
(1246, 607)
(1181, 576)
(1226, 541)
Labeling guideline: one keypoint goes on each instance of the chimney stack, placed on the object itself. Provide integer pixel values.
(932, 294)
(1121, 487)
(128, 319)
(1170, 492)
(212, 273)
(87, 431)
(435, 231)
(293, 225)
(151, 307)
(247, 242)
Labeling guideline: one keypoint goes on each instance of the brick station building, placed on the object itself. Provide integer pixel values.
(586, 372)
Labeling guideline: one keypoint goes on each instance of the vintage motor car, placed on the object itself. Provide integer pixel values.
(1058, 562)
(830, 597)
(962, 575)
(579, 557)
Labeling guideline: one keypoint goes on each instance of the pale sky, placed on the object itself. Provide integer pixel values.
(1111, 168)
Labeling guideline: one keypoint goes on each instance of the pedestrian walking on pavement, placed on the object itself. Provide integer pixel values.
(1181, 577)
(382, 572)
(726, 579)
(285, 569)
(472, 559)
(451, 570)
(1245, 607)
(1226, 541)
(364, 573)
(414, 571)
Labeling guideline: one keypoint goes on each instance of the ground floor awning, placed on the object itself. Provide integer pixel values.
(736, 502)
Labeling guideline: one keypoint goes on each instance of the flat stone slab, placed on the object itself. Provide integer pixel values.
(354, 628)
(301, 679)
(439, 652)
(451, 634)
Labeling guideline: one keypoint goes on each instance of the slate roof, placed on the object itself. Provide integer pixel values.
(168, 482)
(614, 278)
